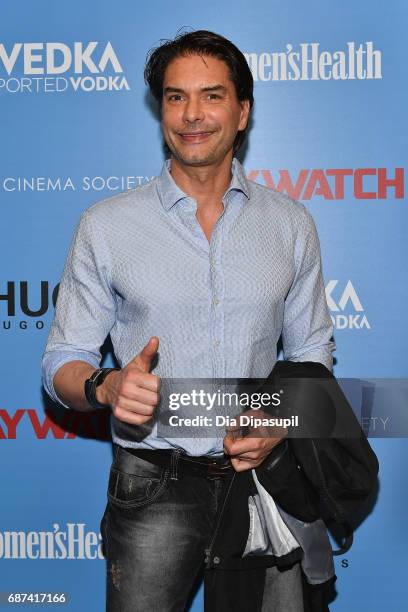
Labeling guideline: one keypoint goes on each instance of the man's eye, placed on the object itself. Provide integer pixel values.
(213, 96)
(175, 97)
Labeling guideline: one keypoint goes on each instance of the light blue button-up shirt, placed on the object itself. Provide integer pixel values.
(140, 265)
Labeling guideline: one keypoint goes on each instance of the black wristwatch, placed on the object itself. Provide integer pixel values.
(94, 381)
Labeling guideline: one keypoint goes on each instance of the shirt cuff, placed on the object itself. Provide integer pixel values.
(324, 357)
(53, 360)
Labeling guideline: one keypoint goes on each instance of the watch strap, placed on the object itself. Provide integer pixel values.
(91, 383)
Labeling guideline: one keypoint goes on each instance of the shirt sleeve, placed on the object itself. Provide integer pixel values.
(85, 310)
(307, 328)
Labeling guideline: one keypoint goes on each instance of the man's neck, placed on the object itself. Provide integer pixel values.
(206, 184)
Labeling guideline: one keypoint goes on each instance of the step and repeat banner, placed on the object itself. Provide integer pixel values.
(77, 126)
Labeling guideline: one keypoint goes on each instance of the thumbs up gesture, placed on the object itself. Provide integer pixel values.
(133, 393)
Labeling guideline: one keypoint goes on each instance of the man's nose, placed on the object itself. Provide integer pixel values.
(193, 110)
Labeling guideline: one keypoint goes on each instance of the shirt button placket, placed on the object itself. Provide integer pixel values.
(216, 301)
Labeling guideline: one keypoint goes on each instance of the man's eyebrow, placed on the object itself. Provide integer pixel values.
(172, 89)
(214, 88)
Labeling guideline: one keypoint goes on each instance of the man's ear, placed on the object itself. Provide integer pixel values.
(245, 111)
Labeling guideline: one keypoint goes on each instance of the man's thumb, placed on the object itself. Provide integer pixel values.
(146, 355)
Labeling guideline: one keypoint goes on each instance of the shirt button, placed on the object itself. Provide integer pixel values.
(217, 343)
(216, 560)
(216, 302)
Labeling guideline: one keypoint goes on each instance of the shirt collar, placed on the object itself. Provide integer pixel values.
(170, 193)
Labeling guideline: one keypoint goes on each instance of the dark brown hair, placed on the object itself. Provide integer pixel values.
(201, 42)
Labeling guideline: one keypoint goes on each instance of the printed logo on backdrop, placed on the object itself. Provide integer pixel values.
(304, 184)
(310, 62)
(335, 183)
(23, 304)
(56, 67)
(54, 424)
(69, 541)
(113, 183)
(345, 306)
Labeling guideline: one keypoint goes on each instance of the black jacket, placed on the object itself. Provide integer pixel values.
(308, 478)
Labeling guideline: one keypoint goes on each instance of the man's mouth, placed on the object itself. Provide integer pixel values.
(195, 137)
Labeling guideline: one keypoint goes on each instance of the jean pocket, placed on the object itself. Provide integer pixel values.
(133, 490)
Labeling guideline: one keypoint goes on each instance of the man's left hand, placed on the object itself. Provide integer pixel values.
(250, 451)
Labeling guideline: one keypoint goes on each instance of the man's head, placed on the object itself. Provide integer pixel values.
(204, 87)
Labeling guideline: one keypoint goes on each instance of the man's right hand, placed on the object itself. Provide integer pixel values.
(133, 393)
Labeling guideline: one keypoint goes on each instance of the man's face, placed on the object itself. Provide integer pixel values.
(201, 114)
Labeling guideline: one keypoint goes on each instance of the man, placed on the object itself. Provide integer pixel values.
(195, 275)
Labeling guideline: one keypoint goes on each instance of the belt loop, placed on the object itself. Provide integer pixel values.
(175, 455)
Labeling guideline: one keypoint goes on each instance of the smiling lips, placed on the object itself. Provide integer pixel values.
(195, 137)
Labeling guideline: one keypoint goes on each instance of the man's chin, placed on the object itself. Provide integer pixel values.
(196, 159)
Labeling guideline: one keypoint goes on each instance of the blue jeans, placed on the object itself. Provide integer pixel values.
(155, 531)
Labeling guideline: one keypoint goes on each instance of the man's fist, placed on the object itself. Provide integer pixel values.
(133, 393)
(250, 451)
